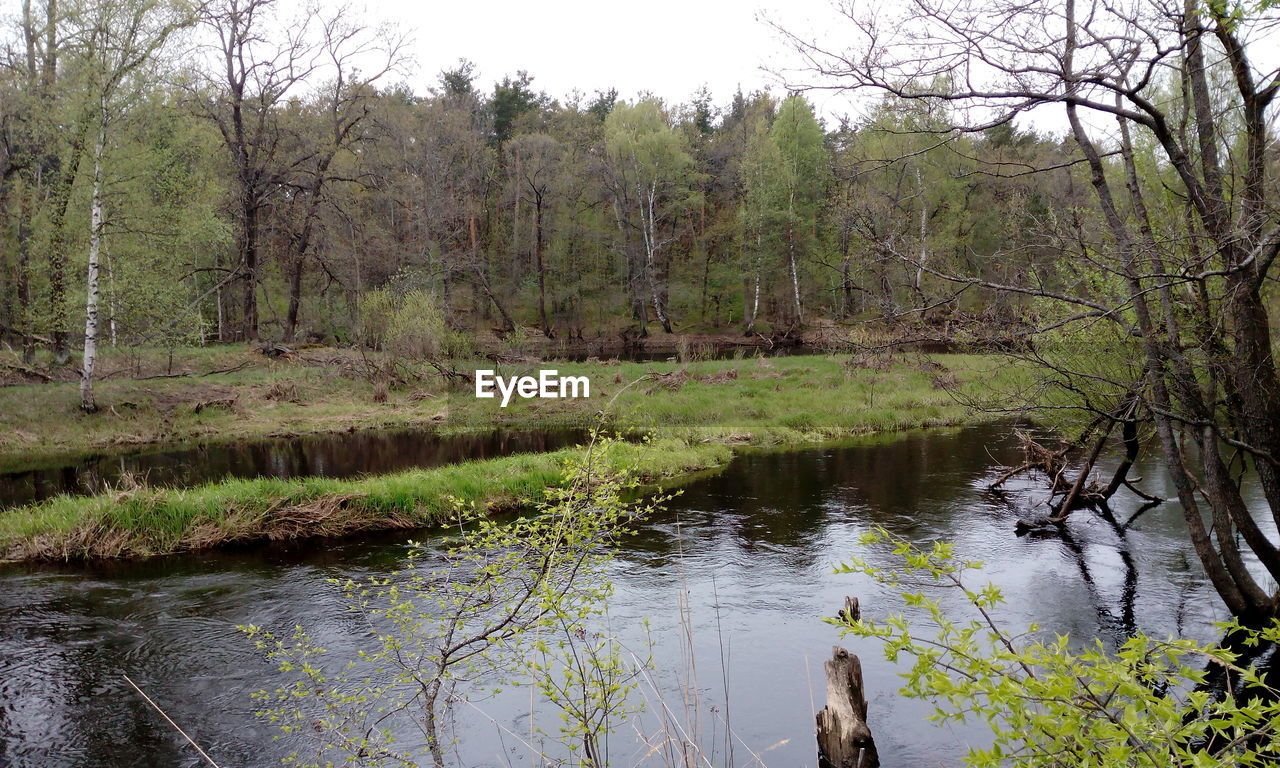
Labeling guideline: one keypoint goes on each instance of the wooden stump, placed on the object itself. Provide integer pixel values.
(851, 611)
(844, 740)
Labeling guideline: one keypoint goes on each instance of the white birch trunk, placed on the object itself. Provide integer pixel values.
(87, 403)
(650, 230)
(791, 257)
(755, 302)
(111, 301)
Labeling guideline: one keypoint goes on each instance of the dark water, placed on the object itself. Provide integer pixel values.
(659, 348)
(752, 550)
(345, 454)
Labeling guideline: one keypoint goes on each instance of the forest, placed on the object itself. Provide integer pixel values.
(221, 176)
(362, 409)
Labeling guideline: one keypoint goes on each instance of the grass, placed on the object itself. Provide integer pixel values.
(698, 413)
(780, 400)
(150, 521)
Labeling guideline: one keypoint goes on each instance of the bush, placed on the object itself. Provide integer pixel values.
(1051, 704)
(408, 325)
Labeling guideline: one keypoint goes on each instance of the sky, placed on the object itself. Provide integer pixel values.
(667, 47)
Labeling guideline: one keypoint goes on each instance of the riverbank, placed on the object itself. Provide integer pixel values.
(698, 415)
(145, 522)
(234, 393)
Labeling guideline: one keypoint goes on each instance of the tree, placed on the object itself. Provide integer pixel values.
(535, 159)
(51, 138)
(650, 175)
(512, 99)
(1187, 233)
(764, 213)
(496, 595)
(343, 107)
(806, 172)
(246, 80)
(122, 39)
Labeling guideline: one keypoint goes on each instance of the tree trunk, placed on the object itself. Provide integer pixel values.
(111, 303)
(249, 271)
(431, 724)
(24, 279)
(844, 739)
(924, 242)
(483, 282)
(542, 274)
(846, 278)
(295, 297)
(791, 259)
(1223, 564)
(87, 403)
(650, 232)
(59, 201)
(755, 301)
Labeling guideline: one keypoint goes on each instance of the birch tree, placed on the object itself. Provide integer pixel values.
(806, 172)
(650, 180)
(123, 38)
(763, 213)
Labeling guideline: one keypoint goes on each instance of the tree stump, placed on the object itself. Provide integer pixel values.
(844, 739)
(851, 611)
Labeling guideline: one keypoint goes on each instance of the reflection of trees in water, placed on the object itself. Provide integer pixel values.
(786, 503)
(328, 455)
(1117, 615)
(1119, 621)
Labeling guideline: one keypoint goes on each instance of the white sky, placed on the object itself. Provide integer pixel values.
(667, 47)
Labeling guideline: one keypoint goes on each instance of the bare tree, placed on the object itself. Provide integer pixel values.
(1182, 281)
(249, 75)
(345, 108)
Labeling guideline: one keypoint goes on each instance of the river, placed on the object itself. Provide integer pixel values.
(752, 548)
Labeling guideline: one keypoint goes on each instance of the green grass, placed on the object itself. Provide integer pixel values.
(784, 400)
(697, 414)
(154, 521)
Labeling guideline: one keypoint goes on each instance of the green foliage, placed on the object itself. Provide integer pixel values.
(464, 616)
(1051, 703)
(801, 144)
(153, 521)
(764, 204)
(409, 325)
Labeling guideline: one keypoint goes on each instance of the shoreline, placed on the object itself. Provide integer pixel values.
(698, 417)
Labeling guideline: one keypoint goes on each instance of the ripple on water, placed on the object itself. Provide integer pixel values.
(752, 549)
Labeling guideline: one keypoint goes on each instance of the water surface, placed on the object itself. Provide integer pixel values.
(752, 548)
(342, 454)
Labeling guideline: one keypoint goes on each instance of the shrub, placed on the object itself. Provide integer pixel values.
(1050, 703)
(408, 325)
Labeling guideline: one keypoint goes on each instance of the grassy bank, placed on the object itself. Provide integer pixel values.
(697, 412)
(771, 401)
(147, 522)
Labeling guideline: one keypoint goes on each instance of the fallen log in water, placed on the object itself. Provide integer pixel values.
(844, 739)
